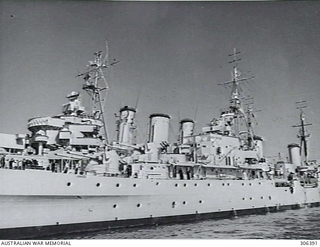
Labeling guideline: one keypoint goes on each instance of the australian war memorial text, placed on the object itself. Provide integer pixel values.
(35, 242)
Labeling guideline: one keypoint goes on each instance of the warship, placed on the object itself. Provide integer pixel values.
(70, 177)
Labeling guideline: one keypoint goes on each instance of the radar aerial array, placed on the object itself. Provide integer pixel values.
(300, 105)
(92, 77)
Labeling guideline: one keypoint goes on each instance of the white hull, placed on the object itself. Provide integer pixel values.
(39, 199)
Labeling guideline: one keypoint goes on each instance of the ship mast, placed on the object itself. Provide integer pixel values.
(92, 77)
(235, 100)
(249, 117)
(302, 132)
(250, 128)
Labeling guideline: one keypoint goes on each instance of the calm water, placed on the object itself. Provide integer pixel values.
(292, 224)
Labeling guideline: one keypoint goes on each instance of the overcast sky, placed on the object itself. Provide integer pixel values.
(175, 52)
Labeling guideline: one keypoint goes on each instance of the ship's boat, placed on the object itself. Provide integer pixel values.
(70, 177)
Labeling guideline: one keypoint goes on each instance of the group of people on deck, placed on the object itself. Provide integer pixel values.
(18, 164)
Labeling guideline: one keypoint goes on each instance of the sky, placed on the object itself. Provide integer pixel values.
(174, 53)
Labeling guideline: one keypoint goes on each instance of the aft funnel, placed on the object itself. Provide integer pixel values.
(259, 145)
(294, 154)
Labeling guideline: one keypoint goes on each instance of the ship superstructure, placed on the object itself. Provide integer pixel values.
(76, 128)
(71, 177)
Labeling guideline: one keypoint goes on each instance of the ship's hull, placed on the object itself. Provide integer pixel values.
(35, 203)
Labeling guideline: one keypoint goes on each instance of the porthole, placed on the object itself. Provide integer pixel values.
(250, 184)
(228, 184)
(185, 185)
(114, 205)
(209, 184)
(151, 168)
(261, 197)
(117, 185)
(138, 205)
(200, 201)
(98, 184)
(176, 185)
(68, 184)
(222, 184)
(242, 184)
(195, 184)
(259, 182)
(243, 198)
(157, 183)
(269, 197)
(184, 202)
(134, 185)
(250, 198)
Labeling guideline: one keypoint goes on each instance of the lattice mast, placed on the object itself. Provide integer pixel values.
(93, 87)
(236, 106)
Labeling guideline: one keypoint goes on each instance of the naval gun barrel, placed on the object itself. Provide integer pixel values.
(66, 156)
(129, 146)
(84, 156)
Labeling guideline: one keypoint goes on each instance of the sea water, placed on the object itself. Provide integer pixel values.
(291, 224)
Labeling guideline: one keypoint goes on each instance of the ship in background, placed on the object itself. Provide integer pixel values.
(70, 177)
